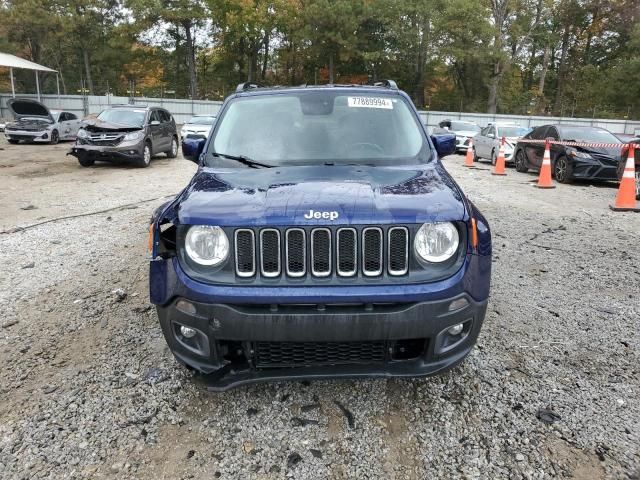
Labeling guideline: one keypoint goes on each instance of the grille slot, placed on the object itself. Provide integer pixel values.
(270, 252)
(245, 253)
(321, 252)
(296, 252)
(372, 243)
(398, 251)
(299, 354)
(347, 252)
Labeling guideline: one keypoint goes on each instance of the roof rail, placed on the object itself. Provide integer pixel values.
(387, 84)
(247, 86)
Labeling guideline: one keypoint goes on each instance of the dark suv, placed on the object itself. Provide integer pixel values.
(320, 237)
(126, 133)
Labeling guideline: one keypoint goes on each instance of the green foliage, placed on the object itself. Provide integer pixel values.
(447, 54)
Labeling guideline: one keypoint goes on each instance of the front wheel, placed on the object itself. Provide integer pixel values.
(475, 155)
(86, 162)
(562, 170)
(494, 157)
(521, 162)
(146, 156)
(13, 141)
(55, 137)
(173, 151)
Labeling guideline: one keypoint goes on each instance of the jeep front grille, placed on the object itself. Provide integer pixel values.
(322, 252)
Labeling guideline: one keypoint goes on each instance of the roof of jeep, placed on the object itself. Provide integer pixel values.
(250, 89)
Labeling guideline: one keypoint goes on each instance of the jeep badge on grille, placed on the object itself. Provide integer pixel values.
(326, 215)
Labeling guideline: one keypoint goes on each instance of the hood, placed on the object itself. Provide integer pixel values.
(351, 195)
(465, 133)
(97, 125)
(24, 107)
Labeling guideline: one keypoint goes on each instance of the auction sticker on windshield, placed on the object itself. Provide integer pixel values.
(370, 102)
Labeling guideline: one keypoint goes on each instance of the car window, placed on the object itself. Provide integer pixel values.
(538, 133)
(589, 134)
(71, 116)
(552, 133)
(165, 117)
(315, 127)
(62, 117)
(124, 116)
(509, 131)
(202, 120)
(154, 117)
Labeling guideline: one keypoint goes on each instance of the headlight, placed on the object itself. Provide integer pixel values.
(82, 133)
(133, 135)
(436, 242)
(580, 154)
(207, 245)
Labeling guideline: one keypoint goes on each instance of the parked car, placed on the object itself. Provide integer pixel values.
(320, 237)
(126, 133)
(487, 143)
(568, 162)
(198, 126)
(635, 139)
(34, 122)
(464, 132)
(2, 125)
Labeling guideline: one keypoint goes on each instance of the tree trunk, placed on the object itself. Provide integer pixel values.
(191, 57)
(331, 68)
(87, 69)
(543, 77)
(562, 69)
(494, 82)
(265, 59)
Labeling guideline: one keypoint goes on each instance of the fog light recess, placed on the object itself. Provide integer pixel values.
(187, 332)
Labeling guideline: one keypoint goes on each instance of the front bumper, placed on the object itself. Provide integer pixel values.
(28, 136)
(235, 325)
(595, 169)
(123, 152)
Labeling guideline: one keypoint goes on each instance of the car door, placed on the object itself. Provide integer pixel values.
(555, 149)
(167, 127)
(535, 151)
(63, 126)
(155, 130)
(74, 125)
(480, 142)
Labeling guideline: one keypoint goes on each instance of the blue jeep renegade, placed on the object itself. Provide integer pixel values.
(320, 237)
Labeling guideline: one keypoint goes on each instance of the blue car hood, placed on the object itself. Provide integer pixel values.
(290, 196)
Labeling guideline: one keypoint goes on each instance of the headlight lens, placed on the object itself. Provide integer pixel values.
(133, 135)
(207, 245)
(581, 154)
(437, 242)
(82, 133)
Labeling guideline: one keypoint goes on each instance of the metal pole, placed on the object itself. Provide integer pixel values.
(38, 85)
(13, 88)
(58, 88)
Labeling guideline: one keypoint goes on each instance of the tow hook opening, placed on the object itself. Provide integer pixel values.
(408, 349)
(233, 352)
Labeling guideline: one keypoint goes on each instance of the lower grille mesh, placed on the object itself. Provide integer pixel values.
(292, 354)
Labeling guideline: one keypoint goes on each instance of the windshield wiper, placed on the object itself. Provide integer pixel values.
(244, 160)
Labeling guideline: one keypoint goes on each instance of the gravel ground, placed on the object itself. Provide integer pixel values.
(90, 390)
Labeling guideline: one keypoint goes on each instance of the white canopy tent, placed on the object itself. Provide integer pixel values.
(11, 61)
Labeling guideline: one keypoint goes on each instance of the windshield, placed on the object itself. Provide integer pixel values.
(124, 116)
(202, 120)
(464, 127)
(311, 128)
(589, 134)
(513, 131)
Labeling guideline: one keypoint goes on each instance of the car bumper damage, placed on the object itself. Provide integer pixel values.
(124, 153)
(27, 135)
(319, 332)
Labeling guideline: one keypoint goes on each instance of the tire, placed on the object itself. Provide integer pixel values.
(146, 156)
(13, 141)
(173, 152)
(563, 170)
(86, 162)
(476, 158)
(521, 162)
(55, 138)
(494, 157)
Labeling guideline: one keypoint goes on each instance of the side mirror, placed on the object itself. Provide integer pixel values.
(445, 144)
(192, 148)
(154, 122)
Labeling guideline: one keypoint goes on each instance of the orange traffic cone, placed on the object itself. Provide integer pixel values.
(626, 198)
(499, 168)
(468, 160)
(544, 180)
